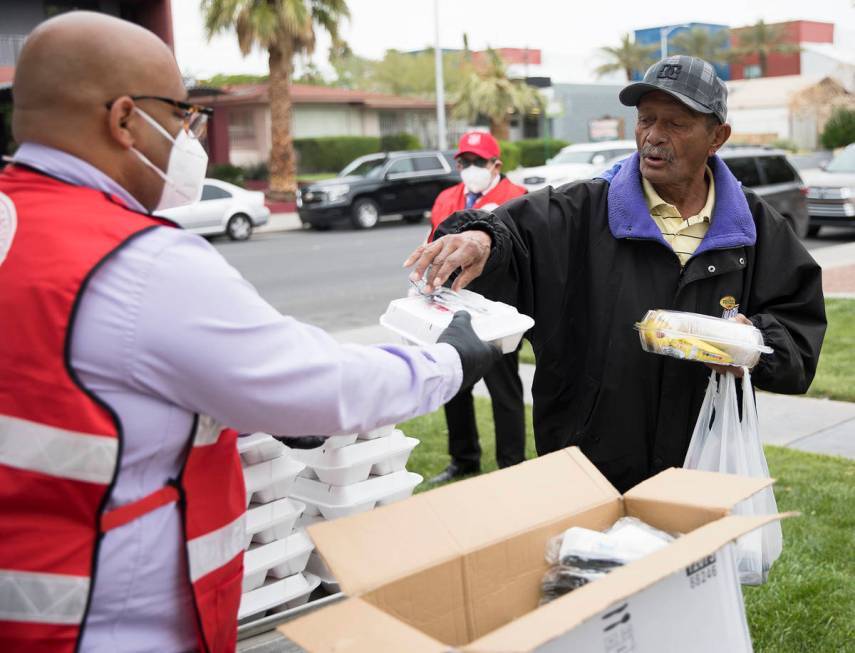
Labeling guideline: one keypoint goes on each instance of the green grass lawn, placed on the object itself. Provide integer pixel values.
(315, 176)
(809, 602)
(835, 376)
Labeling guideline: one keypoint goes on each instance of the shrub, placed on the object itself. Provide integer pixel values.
(839, 130)
(535, 152)
(227, 172)
(332, 153)
(510, 155)
(399, 142)
(257, 172)
(785, 144)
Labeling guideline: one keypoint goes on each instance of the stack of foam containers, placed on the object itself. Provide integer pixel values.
(350, 474)
(276, 551)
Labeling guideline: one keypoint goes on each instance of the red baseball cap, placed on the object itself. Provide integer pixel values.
(481, 143)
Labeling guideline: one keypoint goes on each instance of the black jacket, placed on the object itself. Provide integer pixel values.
(587, 261)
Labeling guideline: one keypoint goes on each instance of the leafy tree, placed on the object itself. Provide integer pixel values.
(629, 57)
(839, 130)
(285, 28)
(489, 92)
(762, 39)
(219, 80)
(703, 43)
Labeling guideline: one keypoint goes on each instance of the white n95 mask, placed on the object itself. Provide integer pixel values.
(476, 179)
(185, 171)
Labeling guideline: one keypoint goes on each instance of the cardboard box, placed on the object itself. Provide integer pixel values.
(460, 567)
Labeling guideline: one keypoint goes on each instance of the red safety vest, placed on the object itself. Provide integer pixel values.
(60, 444)
(454, 199)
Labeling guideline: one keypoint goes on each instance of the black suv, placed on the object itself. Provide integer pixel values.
(399, 183)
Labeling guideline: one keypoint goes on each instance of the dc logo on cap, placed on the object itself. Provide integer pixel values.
(474, 139)
(8, 225)
(669, 71)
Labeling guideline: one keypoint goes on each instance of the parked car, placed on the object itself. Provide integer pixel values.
(377, 185)
(579, 161)
(831, 192)
(769, 174)
(223, 209)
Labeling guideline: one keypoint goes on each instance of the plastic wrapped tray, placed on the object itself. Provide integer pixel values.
(355, 462)
(278, 559)
(340, 501)
(421, 319)
(277, 595)
(259, 447)
(272, 521)
(271, 479)
(692, 336)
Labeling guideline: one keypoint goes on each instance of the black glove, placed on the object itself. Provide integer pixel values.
(302, 441)
(476, 356)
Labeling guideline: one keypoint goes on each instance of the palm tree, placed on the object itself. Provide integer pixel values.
(629, 56)
(285, 28)
(703, 43)
(488, 92)
(762, 39)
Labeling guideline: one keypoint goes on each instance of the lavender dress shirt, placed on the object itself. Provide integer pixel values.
(166, 329)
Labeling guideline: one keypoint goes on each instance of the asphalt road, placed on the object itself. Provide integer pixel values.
(344, 279)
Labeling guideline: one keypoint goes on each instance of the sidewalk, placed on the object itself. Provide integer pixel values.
(838, 269)
(817, 425)
(281, 222)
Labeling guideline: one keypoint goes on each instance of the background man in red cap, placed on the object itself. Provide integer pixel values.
(483, 187)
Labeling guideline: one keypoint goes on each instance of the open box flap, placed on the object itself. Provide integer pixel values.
(562, 615)
(368, 550)
(354, 626)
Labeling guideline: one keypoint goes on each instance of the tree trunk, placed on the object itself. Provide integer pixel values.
(628, 72)
(283, 162)
(500, 129)
(763, 62)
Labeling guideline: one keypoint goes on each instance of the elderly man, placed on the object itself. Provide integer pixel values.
(669, 228)
(122, 504)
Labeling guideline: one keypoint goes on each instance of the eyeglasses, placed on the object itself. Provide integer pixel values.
(195, 116)
(465, 162)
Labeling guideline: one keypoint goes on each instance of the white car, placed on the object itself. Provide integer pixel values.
(223, 209)
(574, 162)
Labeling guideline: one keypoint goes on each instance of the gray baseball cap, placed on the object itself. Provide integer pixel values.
(690, 80)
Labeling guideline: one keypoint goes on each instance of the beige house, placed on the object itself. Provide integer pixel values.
(240, 129)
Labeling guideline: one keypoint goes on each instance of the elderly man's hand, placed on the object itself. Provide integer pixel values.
(730, 369)
(467, 251)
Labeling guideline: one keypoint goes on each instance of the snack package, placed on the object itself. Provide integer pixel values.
(696, 337)
(580, 555)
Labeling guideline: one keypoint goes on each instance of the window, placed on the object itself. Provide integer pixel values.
(752, 71)
(241, 127)
(401, 166)
(745, 170)
(427, 164)
(214, 193)
(776, 169)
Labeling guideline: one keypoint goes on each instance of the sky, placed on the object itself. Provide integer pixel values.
(568, 33)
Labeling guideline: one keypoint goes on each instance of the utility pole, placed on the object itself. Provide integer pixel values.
(441, 136)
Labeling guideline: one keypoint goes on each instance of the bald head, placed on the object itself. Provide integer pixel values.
(70, 68)
(71, 65)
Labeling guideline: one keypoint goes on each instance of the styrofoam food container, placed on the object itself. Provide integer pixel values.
(307, 520)
(258, 447)
(272, 521)
(270, 480)
(312, 583)
(354, 463)
(318, 567)
(379, 432)
(340, 501)
(421, 319)
(279, 559)
(276, 594)
(337, 441)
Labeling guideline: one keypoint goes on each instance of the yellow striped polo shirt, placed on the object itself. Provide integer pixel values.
(684, 236)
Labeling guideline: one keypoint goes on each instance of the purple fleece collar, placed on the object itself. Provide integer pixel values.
(732, 224)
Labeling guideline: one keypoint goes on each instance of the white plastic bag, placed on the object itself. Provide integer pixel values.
(723, 443)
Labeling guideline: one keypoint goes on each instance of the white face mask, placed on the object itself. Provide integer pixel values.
(185, 171)
(476, 179)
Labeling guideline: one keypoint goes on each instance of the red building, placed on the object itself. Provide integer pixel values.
(797, 33)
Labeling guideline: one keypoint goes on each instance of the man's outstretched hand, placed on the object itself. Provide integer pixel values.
(468, 252)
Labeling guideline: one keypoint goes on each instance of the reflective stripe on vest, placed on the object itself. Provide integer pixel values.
(212, 550)
(43, 598)
(66, 454)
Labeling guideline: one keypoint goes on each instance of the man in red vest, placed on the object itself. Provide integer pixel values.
(483, 187)
(125, 347)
